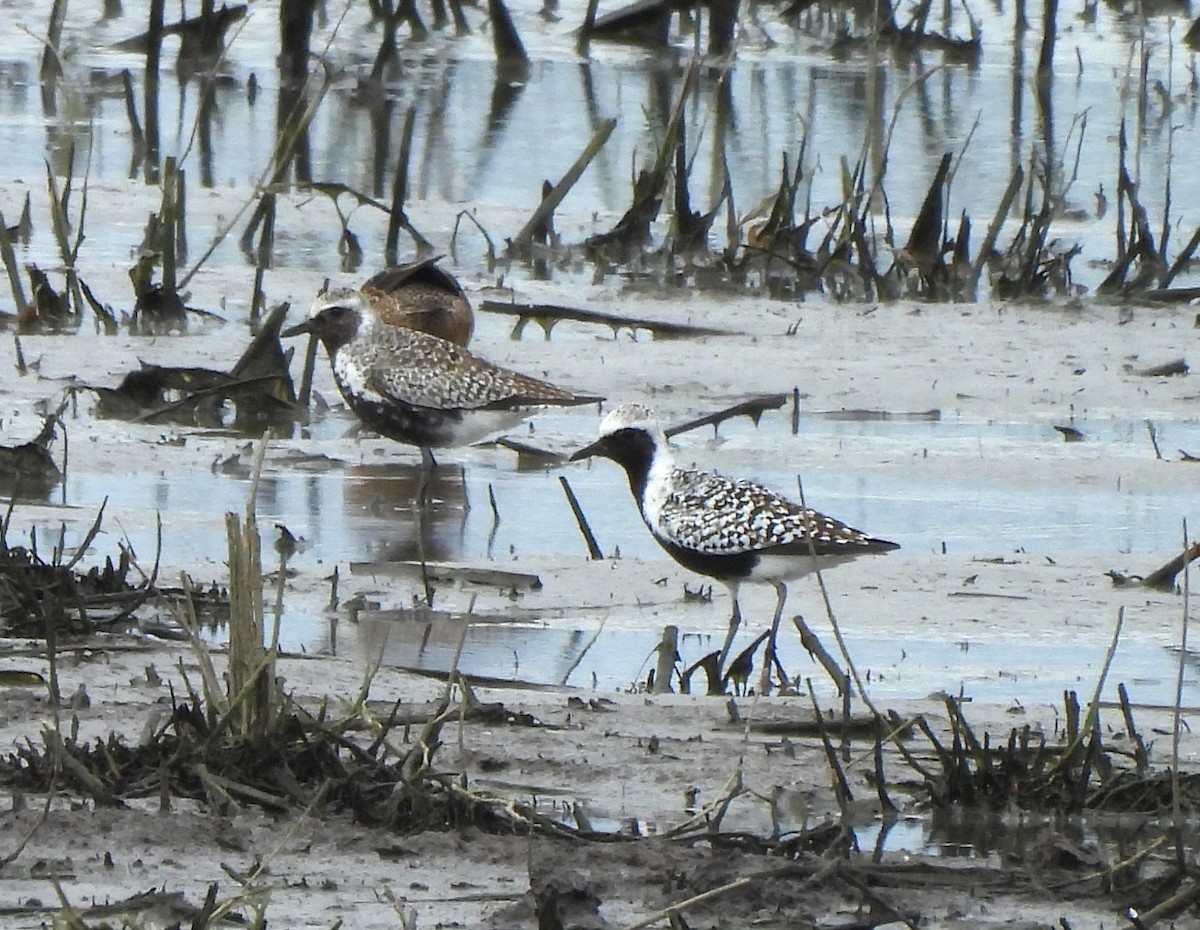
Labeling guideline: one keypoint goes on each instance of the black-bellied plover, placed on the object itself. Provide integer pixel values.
(420, 295)
(419, 389)
(729, 529)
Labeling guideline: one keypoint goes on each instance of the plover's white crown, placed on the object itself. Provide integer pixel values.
(632, 416)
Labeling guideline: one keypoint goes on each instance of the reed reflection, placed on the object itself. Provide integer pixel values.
(485, 649)
(479, 123)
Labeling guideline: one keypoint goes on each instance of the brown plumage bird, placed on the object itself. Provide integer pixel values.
(419, 295)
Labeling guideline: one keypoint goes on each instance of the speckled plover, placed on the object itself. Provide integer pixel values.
(728, 529)
(420, 295)
(417, 388)
(420, 389)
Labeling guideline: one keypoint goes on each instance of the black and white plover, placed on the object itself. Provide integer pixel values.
(420, 389)
(729, 529)
(420, 295)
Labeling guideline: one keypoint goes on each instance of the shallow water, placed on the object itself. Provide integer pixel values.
(485, 141)
(362, 514)
(591, 658)
(352, 512)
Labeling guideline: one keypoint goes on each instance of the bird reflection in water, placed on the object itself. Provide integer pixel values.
(388, 492)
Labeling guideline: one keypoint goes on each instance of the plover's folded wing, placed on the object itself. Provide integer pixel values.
(408, 367)
(713, 514)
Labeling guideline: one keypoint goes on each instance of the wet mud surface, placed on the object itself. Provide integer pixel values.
(940, 426)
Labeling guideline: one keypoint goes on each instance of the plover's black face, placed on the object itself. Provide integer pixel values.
(631, 437)
(334, 323)
(629, 446)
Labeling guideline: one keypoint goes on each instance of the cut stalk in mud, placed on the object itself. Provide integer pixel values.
(10, 266)
(521, 241)
(505, 38)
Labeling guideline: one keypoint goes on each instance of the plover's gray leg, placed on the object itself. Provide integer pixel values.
(769, 660)
(421, 507)
(734, 622)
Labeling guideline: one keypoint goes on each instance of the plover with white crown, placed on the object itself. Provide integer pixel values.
(419, 295)
(729, 529)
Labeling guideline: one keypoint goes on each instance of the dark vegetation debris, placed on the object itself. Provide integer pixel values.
(259, 386)
(46, 595)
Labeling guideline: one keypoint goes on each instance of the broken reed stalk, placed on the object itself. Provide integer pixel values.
(306, 379)
(668, 653)
(168, 215)
(1140, 756)
(587, 647)
(550, 201)
(51, 68)
(89, 537)
(397, 218)
(154, 37)
(1182, 259)
(672, 911)
(993, 233)
(180, 203)
(495, 509)
(1045, 66)
(722, 24)
(593, 547)
(266, 241)
(1078, 731)
(491, 246)
(251, 662)
(841, 786)
(753, 408)
(505, 38)
(1163, 577)
(812, 644)
(257, 296)
(1177, 721)
(137, 137)
(1154, 439)
(10, 266)
(62, 227)
(295, 39)
(585, 31)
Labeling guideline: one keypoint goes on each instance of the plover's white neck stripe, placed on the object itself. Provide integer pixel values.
(351, 376)
(659, 485)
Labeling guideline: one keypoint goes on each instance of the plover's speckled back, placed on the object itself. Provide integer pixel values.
(726, 528)
(420, 295)
(420, 389)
